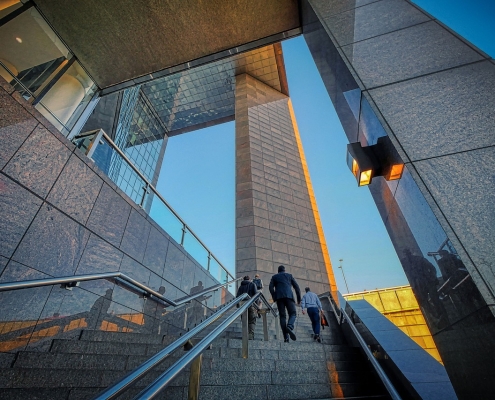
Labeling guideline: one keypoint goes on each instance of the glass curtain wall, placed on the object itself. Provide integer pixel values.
(141, 137)
(41, 68)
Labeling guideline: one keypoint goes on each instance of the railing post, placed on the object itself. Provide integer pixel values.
(209, 259)
(183, 235)
(265, 326)
(194, 378)
(146, 189)
(245, 334)
(94, 144)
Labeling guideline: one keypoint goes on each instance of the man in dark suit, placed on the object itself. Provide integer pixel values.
(281, 286)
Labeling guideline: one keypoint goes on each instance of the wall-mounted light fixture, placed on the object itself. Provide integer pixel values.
(368, 162)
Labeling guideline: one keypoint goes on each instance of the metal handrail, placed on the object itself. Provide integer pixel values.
(149, 185)
(268, 305)
(117, 277)
(165, 378)
(374, 362)
(378, 368)
(125, 383)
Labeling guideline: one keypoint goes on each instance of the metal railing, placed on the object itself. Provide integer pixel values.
(89, 141)
(194, 355)
(341, 316)
(117, 277)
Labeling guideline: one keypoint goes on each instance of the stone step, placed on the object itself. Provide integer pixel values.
(27, 378)
(257, 392)
(124, 337)
(279, 344)
(85, 347)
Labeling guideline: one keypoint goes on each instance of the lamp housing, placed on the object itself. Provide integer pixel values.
(380, 159)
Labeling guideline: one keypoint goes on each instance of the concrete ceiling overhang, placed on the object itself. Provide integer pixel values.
(121, 41)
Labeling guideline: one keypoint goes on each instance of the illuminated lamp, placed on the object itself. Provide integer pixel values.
(380, 159)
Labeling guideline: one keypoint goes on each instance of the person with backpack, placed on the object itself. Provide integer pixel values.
(250, 288)
(258, 282)
(259, 285)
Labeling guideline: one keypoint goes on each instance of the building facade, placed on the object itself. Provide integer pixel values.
(400, 306)
(391, 70)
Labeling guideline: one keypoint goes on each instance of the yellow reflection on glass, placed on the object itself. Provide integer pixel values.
(355, 167)
(365, 178)
(396, 171)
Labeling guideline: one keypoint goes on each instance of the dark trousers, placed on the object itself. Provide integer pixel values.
(290, 306)
(252, 317)
(314, 316)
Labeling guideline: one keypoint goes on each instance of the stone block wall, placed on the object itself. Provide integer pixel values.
(277, 220)
(61, 216)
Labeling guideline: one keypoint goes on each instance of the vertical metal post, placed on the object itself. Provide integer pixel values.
(209, 259)
(277, 328)
(76, 129)
(183, 235)
(146, 189)
(194, 378)
(94, 143)
(265, 326)
(245, 335)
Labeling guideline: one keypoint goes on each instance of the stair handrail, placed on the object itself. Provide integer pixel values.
(160, 383)
(126, 382)
(117, 277)
(374, 362)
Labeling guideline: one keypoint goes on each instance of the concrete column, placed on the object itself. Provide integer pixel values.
(277, 219)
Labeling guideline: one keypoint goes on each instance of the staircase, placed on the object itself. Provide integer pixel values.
(304, 369)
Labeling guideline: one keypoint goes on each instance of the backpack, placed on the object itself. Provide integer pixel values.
(258, 283)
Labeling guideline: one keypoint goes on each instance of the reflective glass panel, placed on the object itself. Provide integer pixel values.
(162, 215)
(30, 53)
(65, 101)
(196, 249)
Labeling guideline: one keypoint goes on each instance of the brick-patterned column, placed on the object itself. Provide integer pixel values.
(277, 219)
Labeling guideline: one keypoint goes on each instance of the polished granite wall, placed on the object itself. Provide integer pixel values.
(61, 216)
(391, 69)
(418, 374)
(275, 219)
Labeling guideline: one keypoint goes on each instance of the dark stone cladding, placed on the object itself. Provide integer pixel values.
(431, 92)
(62, 216)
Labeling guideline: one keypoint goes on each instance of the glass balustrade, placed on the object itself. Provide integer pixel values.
(111, 160)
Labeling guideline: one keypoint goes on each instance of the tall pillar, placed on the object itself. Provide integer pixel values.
(393, 70)
(277, 219)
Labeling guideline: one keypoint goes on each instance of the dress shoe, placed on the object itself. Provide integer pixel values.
(292, 335)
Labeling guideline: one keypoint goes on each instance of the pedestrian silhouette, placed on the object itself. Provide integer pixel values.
(99, 310)
(153, 313)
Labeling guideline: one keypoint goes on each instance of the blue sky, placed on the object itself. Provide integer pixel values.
(198, 175)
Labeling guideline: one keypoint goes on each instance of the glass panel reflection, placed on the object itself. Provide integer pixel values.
(162, 215)
(30, 52)
(195, 249)
(440, 280)
(67, 98)
(215, 269)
